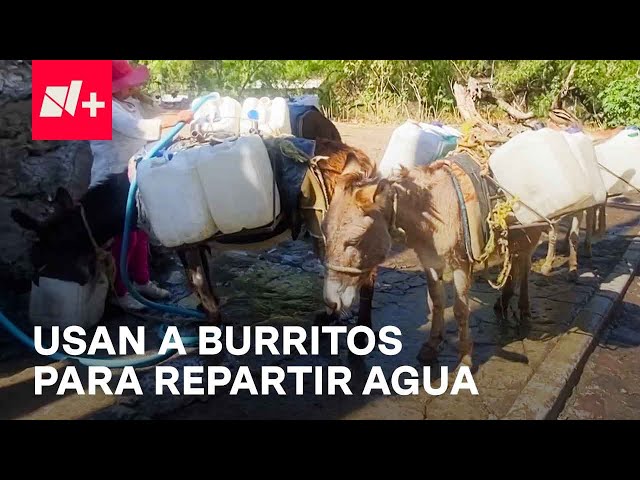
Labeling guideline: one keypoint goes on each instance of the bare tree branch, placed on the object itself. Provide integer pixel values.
(557, 101)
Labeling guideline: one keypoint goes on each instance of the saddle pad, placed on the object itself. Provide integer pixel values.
(476, 201)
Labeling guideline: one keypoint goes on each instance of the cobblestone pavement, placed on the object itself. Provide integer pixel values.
(281, 284)
(609, 387)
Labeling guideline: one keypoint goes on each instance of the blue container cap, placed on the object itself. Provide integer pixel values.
(253, 115)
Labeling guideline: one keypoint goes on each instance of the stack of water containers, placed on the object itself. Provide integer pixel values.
(273, 116)
(621, 155)
(414, 143)
(552, 172)
(195, 193)
(218, 115)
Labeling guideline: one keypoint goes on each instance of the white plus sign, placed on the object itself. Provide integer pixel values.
(93, 104)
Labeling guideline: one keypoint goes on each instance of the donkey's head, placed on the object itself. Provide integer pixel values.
(357, 236)
(63, 246)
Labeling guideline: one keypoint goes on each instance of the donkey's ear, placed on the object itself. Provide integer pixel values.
(25, 221)
(351, 165)
(63, 198)
(366, 196)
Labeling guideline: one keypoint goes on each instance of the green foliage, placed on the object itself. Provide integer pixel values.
(621, 102)
(389, 90)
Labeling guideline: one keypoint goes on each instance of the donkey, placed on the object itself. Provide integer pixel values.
(423, 202)
(63, 234)
(595, 220)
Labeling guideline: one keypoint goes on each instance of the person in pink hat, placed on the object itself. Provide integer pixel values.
(131, 132)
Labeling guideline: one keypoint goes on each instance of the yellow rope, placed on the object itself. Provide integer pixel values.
(471, 144)
(497, 220)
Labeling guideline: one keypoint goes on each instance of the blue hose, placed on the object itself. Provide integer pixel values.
(131, 201)
(146, 360)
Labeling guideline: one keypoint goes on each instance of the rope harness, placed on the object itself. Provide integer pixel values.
(105, 260)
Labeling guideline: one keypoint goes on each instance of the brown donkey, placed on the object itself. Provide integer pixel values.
(423, 202)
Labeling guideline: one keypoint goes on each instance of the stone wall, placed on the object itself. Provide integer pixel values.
(30, 171)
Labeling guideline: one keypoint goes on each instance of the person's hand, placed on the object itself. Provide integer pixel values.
(171, 119)
(185, 116)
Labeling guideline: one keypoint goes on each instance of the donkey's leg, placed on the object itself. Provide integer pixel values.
(435, 299)
(197, 274)
(574, 236)
(321, 317)
(462, 280)
(501, 307)
(590, 231)
(551, 252)
(601, 228)
(366, 299)
(364, 312)
(524, 267)
(203, 250)
(318, 248)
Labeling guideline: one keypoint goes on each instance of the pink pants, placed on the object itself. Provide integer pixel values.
(137, 259)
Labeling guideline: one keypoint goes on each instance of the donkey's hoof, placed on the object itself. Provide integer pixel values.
(572, 276)
(427, 354)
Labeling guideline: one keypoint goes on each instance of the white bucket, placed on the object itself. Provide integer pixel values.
(57, 302)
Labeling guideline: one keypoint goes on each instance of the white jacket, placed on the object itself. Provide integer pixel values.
(131, 132)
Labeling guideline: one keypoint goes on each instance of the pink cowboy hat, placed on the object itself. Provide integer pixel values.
(123, 75)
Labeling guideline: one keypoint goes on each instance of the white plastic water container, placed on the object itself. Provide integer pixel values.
(221, 115)
(250, 103)
(279, 118)
(540, 168)
(239, 184)
(230, 112)
(414, 143)
(621, 155)
(264, 112)
(210, 110)
(273, 116)
(57, 302)
(582, 147)
(174, 199)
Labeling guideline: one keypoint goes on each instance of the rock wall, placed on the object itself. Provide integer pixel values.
(30, 171)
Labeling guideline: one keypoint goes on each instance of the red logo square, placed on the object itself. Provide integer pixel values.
(71, 100)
